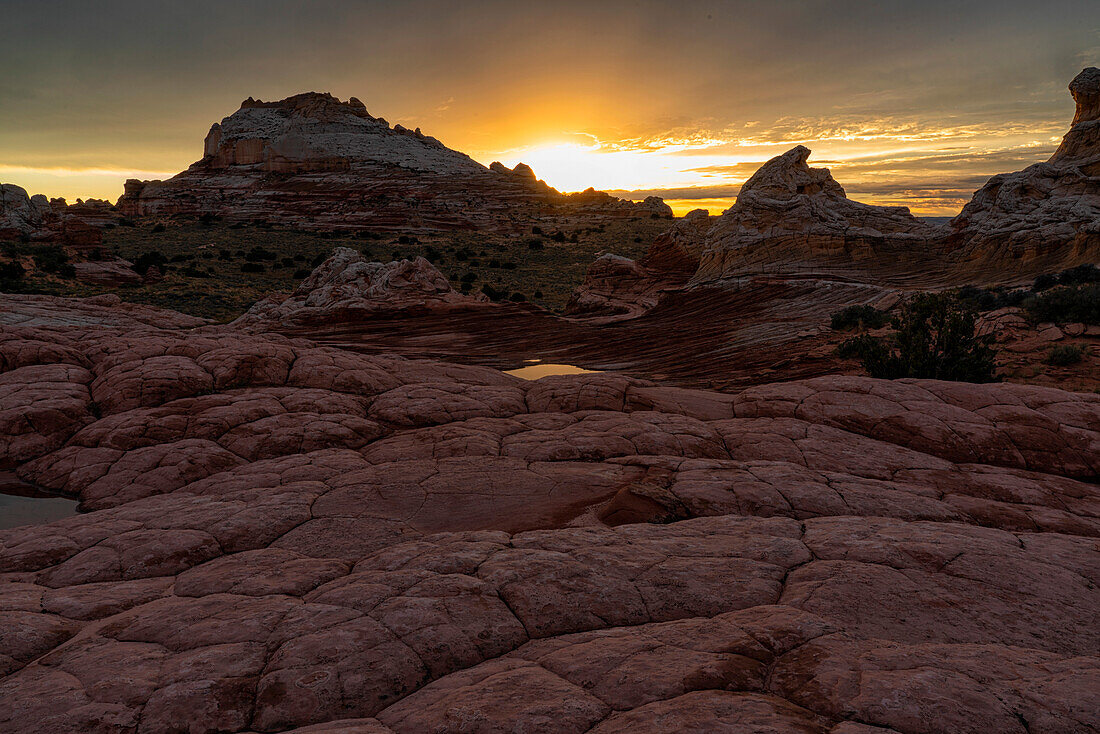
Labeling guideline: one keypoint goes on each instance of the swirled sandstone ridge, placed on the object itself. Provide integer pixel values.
(790, 215)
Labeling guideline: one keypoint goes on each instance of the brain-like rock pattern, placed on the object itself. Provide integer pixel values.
(348, 287)
(288, 537)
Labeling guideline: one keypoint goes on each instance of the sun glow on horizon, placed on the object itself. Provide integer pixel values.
(571, 167)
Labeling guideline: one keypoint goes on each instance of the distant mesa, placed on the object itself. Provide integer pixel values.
(314, 161)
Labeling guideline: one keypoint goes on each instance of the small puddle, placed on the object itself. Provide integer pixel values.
(536, 371)
(24, 504)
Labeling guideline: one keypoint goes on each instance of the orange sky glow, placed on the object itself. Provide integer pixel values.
(912, 104)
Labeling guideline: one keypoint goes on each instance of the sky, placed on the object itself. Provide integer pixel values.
(911, 103)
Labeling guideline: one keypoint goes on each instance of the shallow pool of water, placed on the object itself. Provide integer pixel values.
(23, 504)
(535, 371)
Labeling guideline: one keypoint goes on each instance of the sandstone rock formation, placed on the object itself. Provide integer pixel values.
(36, 218)
(614, 286)
(313, 161)
(681, 247)
(789, 216)
(115, 272)
(1047, 216)
(618, 287)
(19, 215)
(289, 537)
(347, 287)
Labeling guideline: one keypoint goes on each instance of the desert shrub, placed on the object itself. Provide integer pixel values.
(288, 262)
(536, 230)
(50, 258)
(192, 272)
(256, 254)
(299, 258)
(1087, 273)
(181, 258)
(207, 254)
(494, 263)
(126, 222)
(1044, 281)
(463, 255)
(207, 219)
(407, 240)
(508, 265)
(225, 255)
(1068, 304)
(158, 227)
(301, 273)
(855, 347)
(517, 297)
(558, 236)
(535, 244)
(469, 277)
(252, 267)
(66, 270)
(990, 299)
(492, 293)
(863, 317)
(934, 339)
(538, 294)
(11, 276)
(1064, 355)
(319, 258)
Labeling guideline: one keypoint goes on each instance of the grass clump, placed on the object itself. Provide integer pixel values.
(1065, 355)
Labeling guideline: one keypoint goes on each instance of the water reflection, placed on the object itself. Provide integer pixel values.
(535, 371)
(23, 504)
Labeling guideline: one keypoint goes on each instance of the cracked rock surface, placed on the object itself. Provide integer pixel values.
(289, 537)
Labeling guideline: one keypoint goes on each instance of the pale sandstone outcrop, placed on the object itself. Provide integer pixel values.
(1046, 216)
(788, 214)
(347, 287)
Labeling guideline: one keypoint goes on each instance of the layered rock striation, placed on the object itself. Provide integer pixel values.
(313, 161)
